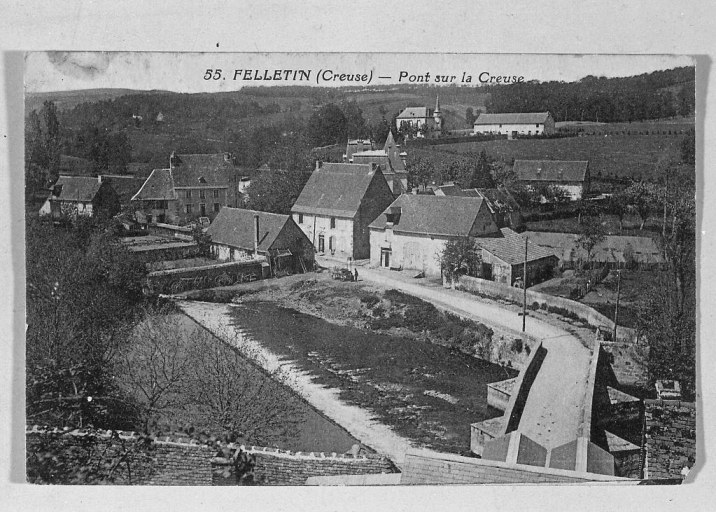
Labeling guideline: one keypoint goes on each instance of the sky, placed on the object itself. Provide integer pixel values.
(187, 72)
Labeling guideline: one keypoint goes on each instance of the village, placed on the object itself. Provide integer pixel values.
(434, 302)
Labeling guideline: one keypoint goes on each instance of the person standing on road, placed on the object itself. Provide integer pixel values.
(355, 274)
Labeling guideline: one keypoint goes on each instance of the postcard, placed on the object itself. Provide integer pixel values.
(288, 269)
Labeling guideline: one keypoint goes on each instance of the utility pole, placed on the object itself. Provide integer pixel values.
(616, 309)
(524, 288)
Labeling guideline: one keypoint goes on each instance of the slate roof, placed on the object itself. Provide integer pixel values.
(415, 113)
(356, 146)
(209, 170)
(392, 150)
(432, 215)
(159, 186)
(377, 156)
(513, 118)
(510, 247)
(551, 170)
(235, 227)
(125, 186)
(499, 200)
(335, 189)
(77, 188)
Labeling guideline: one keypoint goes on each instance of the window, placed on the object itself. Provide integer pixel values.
(333, 223)
(216, 194)
(202, 210)
(217, 207)
(188, 194)
(188, 209)
(300, 218)
(201, 194)
(537, 125)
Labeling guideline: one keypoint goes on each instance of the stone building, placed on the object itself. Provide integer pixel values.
(425, 121)
(338, 203)
(193, 186)
(83, 196)
(571, 176)
(412, 232)
(503, 207)
(239, 234)
(503, 258)
(512, 124)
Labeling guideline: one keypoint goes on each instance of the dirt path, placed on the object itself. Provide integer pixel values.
(357, 421)
(553, 410)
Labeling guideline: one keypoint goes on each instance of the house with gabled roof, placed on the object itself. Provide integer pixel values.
(572, 176)
(517, 123)
(338, 203)
(503, 258)
(84, 196)
(422, 120)
(239, 234)
(193, 186)
(503, 207)
(411, 233)
(391, 162)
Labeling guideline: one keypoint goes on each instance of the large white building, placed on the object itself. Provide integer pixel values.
(411, 233)
(530, 123)
(336, 206)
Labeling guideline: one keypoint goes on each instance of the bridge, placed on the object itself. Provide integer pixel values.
(563, 411)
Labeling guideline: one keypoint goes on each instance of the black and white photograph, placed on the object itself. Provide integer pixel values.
(360, 269)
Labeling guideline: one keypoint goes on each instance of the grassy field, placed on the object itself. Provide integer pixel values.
(659, 126)
(619, 155)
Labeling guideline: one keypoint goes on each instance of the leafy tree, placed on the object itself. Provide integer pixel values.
(460, 256)
(469, 117)
(420, 171)
(618, 204)
(81, 297)
(328, 125)
(356, 126)
(641, 197)
(275, 191)
(591, 234)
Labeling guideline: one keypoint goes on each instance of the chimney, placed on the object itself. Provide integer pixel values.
(318, 164)
(256, 235)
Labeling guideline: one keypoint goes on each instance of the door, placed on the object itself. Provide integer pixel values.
(321, 244)
(487, 271)
(202, 207)
(385, 258)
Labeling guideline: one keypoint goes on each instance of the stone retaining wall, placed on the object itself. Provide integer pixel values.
(589, 315)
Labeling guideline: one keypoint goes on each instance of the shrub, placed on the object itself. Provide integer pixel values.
(369, 300)
(517, 345)
(534, 306)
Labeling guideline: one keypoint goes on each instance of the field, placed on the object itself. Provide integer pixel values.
(661, 125)
(631, 156)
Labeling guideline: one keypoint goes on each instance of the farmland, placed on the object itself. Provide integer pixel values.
(633, 156)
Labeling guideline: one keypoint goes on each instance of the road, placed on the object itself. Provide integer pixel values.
(552, 413)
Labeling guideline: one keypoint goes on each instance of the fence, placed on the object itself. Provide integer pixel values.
(557, 304)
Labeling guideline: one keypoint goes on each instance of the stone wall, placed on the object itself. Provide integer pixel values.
(181, 461)
(589, 315)
(426, 468)
(669, 438)
(278, 467)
